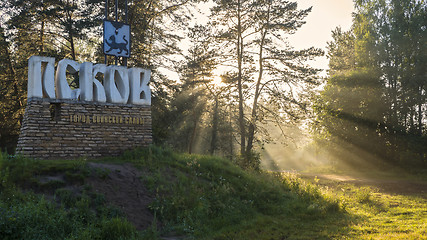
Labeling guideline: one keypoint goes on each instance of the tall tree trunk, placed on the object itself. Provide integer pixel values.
(420, 112)
(230, 122)
(41, 38)
(214, 127)
(69, 16)
(73, 51)
(239, 79)
(252, 123)
(193, 136)
(411, 119)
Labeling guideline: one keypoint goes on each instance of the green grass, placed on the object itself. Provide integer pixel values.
(26, 215)
(379, 215)
(203, 197)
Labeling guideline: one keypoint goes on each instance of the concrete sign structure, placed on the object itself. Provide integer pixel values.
(121, 85)
(97, 119)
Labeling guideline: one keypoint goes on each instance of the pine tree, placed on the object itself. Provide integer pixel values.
(267, 70)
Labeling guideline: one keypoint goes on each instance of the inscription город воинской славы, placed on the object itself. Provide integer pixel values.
(115, 119)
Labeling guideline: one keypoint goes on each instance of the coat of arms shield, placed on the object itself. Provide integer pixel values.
(116, 39)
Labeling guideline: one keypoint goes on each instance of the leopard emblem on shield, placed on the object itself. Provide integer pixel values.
(116, 39)
(119, 46)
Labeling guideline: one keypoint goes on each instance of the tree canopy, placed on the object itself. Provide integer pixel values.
(374, 104)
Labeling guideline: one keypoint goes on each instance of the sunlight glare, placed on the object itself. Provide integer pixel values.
(217, 80)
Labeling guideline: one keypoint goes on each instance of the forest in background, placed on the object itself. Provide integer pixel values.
(371, 109)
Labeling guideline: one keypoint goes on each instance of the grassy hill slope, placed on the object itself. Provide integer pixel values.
(154, 193)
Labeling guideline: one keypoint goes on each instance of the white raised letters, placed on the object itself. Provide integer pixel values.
(139, 90)
(98, 90)
(86, 81)
(40, 77)
(121, 85)
(116, 83)
(63, 90)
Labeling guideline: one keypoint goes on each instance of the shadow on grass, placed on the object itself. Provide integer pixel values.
(301, 218)
(205, 197)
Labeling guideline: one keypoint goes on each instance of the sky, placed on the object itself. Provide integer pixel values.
(325, 16)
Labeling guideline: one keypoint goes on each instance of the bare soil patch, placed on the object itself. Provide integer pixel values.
(120, 184)
(122, 187)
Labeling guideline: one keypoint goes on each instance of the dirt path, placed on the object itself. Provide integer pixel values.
(391, 186)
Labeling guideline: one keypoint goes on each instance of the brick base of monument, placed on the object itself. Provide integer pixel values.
(65, 129)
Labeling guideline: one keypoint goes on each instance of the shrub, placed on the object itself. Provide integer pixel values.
(116, 229)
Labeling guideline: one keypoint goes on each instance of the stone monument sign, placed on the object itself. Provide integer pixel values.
(99, 118)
